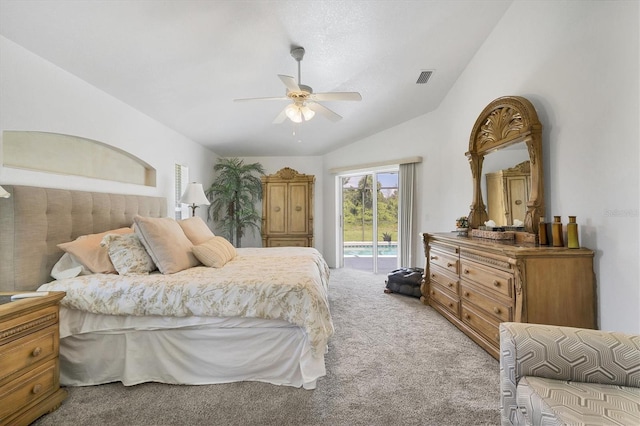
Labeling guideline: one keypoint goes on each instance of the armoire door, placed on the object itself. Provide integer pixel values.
(277, 204)
(518, 194)
(298, 207)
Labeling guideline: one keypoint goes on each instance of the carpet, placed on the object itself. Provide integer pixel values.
(392, 361)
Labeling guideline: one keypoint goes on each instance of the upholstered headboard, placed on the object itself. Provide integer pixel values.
(34, 220)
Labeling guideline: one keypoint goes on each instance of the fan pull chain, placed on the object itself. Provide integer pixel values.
(296, 132)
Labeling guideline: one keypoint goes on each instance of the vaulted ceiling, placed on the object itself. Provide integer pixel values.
(184, 62)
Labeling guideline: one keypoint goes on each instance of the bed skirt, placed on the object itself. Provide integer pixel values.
(97, 349)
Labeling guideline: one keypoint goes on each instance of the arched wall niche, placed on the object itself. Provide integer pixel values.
(73, 155)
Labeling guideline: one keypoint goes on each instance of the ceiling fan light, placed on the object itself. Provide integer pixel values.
(307, 112)
(293, 112)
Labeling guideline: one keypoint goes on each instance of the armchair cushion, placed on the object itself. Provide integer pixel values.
(575, 355)
(560, 402)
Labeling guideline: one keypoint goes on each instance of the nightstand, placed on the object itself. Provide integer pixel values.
(29, 364)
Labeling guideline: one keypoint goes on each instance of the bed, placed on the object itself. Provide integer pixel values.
(261, 315)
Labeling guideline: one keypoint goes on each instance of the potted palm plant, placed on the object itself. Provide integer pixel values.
(233, 195)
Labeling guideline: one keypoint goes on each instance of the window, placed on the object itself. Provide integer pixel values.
(181, 181)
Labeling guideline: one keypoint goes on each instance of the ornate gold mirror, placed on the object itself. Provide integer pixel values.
(504, 123)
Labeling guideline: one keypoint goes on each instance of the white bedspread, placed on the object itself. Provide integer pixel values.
(288, 283)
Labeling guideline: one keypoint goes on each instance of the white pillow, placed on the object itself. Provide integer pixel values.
(215, 253)
(127, 254)
(68, 267)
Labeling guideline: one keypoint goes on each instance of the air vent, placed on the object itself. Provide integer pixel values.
(424, 77)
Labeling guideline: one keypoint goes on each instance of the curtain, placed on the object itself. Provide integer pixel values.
(405, 213)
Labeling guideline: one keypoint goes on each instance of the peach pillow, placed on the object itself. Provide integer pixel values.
(215, 253)
(87, 250)
(166, 243)
(196, 230)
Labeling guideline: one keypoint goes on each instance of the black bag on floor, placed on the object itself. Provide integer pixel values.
(405, 281)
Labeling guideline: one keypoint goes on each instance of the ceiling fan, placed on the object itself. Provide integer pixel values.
(305, 102)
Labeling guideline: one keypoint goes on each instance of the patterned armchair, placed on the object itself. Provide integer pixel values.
(552, 375)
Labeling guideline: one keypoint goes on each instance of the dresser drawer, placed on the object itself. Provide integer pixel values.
(288, 242)
(491, 279)
(501, 310)
(33, 385)
(28, 323)
(444, 279)
(442, 297)
(444, 260)
(28, 350)
(482, 323)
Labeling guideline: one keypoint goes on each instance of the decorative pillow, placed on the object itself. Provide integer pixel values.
(127, 254)
(166, 243)
(215, 252)
(87, 250)
(68, 267)
(196, 230)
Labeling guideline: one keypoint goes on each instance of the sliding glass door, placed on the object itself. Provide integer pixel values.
(370, 220)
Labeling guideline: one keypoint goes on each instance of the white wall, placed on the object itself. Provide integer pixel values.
(37, 95)
(304, 165)
(578, 64)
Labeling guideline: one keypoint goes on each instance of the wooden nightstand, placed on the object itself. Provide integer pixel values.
(29, 365)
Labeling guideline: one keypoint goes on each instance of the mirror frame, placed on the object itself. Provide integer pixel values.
(506, 121)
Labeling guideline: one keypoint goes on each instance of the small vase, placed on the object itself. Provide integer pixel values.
(572, 233)
(542, 233)
(556, 232)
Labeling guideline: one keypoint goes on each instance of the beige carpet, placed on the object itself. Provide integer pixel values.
(392, 361)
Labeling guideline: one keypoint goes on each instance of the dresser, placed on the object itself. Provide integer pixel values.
(478, 283)
(29, 365)
(287, 209)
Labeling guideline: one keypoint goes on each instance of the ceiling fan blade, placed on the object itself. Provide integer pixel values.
(336, 96)
(280, 98)
(323, 110)
(290, 82)
(281, 117)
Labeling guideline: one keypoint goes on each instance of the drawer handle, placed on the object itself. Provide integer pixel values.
(450, 284)
(467, 316)
(466, 271)
(433, 292)
(433, 257)
(451, 305)
(449, 264)
(37, 351)
(433, 276)
(496, 283)
(466, 294)
(497, 310)
(36, 388)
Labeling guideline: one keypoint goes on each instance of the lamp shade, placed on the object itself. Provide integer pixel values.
(194, 195)
(298, 113)
(4, 193)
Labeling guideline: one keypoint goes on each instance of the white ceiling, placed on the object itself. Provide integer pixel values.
(183, 62)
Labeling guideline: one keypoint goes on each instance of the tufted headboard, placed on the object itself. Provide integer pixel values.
(34, 220)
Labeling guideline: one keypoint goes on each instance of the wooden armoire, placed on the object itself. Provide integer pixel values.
(287, 209)
(507, 194)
